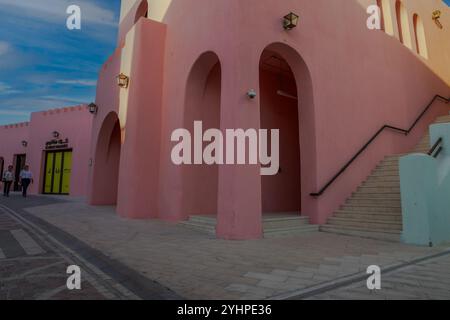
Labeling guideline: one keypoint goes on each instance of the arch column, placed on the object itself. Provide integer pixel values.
(139, 164)
(239, 195)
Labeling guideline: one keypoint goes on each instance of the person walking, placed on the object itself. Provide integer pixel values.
(7, 179)
(26, 178)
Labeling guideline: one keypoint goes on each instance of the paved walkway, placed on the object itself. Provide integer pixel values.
(34, 257)
(195, 266)
(425, 280)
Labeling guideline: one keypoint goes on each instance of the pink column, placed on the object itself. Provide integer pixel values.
(139, 164)
(239, 199)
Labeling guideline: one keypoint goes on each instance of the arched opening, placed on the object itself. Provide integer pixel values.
(106, 162)
(381, 6)
(386, 16)
(203, 96)
(142, 11)
(419, 33)
(403, 24)
(286, 103)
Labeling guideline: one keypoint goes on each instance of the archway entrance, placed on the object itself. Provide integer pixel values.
(281, 193)
(203, 95)
(106, 162)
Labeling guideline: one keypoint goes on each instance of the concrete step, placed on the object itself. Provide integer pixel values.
(287, 232)
(377, 196)
(394, 178)
(385, 173)
(392, 237)
(442, 119)
(206, 228)
(387, 169)
(378, 184)
(372, 209)
(366, 224)
(396, 217)
(207, 220)
(284, 222)
(378, 190)
(274, 225)
(371, 202)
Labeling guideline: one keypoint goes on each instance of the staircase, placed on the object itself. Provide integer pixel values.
(274, 225)
(374, 210)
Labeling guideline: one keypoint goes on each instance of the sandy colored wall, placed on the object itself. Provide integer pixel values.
(437, 39)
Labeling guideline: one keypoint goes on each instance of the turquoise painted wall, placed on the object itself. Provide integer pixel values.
(425, 191)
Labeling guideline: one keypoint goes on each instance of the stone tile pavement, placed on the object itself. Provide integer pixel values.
(35, 256)
(32, 268)
(423, 281)
(196, 266)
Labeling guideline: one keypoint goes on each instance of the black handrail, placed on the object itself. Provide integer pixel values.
(404, 131)
(434, 147)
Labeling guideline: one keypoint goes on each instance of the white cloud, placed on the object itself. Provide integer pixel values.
(6, 89)
(4, 47)
(82, 83)
(14, 113)
(55, 10)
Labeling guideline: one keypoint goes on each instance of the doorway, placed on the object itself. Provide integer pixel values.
(58, 170)
(2, 166)
(281, 193)
(19, 164)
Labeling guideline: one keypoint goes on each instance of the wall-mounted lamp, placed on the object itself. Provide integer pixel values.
(123, 81)
(55, 134)
(290, 21)
(93, 108)
(251, 94)
(24, 143)
(436, 17)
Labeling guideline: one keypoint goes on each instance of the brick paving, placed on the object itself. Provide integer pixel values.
(196, 266)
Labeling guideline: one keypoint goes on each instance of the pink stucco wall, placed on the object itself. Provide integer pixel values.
(350, 81)
(73, 123)
(11, 137)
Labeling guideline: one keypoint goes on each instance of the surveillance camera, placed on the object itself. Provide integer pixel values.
(251, 94)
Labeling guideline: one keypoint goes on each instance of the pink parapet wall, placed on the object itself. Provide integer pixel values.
(350, 81)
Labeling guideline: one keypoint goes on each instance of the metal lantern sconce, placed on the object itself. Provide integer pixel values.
(55, 134)
(123, 81)
(290, 21)
(93, 108)
(436, 17)
(24, 143)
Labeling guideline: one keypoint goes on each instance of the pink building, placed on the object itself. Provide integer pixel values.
(328, 84)
(55, 144)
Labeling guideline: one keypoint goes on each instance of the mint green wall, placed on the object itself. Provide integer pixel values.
(425, 190)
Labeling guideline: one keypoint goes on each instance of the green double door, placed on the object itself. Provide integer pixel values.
(58, 169)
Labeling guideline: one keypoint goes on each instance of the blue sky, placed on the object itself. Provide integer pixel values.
(44, 65)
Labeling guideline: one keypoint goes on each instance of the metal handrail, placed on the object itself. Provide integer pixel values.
(434, 147)
(404, 131)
